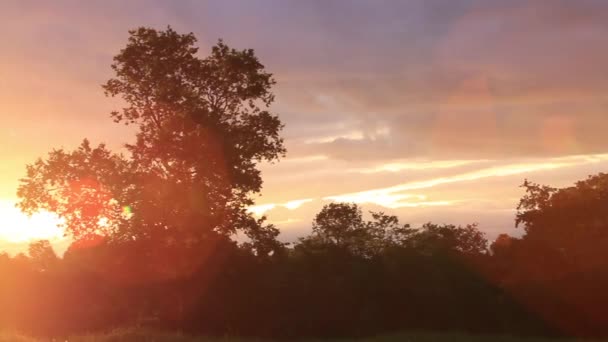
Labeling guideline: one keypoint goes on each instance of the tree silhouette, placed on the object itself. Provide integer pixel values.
(341, 226)
(203, 126)
(42, 255)
(434, 238)
(85, 187)
(571, 220)
(559, 267)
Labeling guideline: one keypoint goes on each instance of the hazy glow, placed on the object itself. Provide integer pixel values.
(127, 211)
(17, 227)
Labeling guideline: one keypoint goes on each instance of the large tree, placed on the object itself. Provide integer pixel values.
(203, 125)
(571, 221)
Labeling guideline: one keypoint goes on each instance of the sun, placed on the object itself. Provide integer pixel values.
(17, 227)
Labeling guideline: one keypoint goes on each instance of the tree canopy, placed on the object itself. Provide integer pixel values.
(203, 125)
(341, 226)
(572, 221)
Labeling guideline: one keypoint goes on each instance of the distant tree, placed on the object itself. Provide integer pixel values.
(42, 255)
(203, 127)
(395, 234)
(4, 259)
(433, 238)
(502, 244)
(341, 226)
(21, 261)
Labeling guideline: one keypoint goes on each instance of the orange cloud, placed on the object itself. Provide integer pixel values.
(392, 197)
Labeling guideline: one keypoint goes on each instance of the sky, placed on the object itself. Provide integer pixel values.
(430, 110)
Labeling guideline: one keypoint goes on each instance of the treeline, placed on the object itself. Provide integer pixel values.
(350, 277)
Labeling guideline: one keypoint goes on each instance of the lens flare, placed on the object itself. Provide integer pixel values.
(127, 211)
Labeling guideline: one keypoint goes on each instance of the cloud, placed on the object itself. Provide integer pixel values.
(296, 203)
(486, 192)
(399, 196)
(398, 166)
(392, 197)
(494, 80)
(261, 209)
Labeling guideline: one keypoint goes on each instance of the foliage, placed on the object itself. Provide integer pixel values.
(559, 267)
(42, 255)
(573, 220)
(341, 226)
(203, 126)
(450, 238)
(84, 187)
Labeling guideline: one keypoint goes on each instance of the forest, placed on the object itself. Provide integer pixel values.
(153, 231)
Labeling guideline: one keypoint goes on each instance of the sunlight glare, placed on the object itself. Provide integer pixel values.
(17, 227)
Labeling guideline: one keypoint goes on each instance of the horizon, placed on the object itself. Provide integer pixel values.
(432, 111)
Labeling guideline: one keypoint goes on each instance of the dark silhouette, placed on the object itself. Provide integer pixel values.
(203, 126)
(559, 267)
(152, 231)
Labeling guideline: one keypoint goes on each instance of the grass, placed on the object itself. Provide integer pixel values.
(137, 335)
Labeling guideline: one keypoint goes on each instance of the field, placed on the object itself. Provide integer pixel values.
(147, 336)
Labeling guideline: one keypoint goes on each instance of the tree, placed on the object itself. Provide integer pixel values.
(203, 127)
(86, 187)
(42, 255)
(341, 226)
(433, 238)
(559, 267)
(339, 223)
(502, 244)
(572, 221)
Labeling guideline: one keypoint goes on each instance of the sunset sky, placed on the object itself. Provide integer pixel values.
(431, 110)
